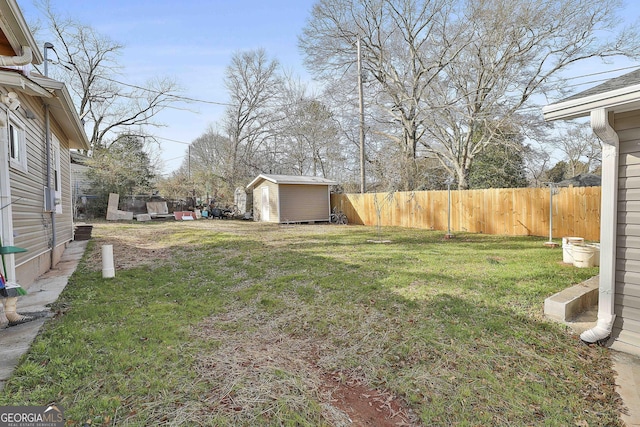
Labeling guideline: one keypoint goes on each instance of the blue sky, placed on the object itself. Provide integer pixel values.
(193, 41)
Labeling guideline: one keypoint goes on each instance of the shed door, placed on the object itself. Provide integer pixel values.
(265, 204)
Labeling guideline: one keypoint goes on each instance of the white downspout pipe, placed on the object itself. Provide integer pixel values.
(17, 61)
(608, 227)
(47, 143)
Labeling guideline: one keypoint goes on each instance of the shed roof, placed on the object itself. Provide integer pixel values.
(619, 94)
(291, 179)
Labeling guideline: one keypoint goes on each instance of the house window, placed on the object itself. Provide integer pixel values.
(17, 146)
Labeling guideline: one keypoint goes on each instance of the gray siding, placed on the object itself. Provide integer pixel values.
(31, 225)
(80, 184)
(627, 298)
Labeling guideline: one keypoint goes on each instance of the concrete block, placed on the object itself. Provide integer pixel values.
(112, 208)
(568, 303)
(143, 217)
(124, 216)
(157, 208)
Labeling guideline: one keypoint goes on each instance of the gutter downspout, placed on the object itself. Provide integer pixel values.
(608, 228)
(49, 195)
(47, 138)
(16, 61)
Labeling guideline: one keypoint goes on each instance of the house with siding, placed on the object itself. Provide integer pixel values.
(613, 109)
(38, 128)
(291, 198)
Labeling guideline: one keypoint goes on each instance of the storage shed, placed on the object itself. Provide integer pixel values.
(290, 198)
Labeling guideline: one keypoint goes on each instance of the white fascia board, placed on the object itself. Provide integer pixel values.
(291, 180)
(619, 100)
(23, 84)
(253, 183)
(302, 182)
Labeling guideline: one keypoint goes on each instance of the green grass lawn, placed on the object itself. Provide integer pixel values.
(238, 323)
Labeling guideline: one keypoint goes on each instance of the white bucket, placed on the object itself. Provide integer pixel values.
(584, 256)
(567, 245)
(596, 255)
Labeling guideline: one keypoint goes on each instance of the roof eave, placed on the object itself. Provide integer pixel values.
(15, 79)
(20, 33)
(306, 182)
(64, 112)
(255, 180)
(619, 101)
(286, 181)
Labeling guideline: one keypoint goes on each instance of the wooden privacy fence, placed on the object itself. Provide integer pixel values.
(505, 211)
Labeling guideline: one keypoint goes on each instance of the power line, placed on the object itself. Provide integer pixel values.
(168, 139)
(602, 72)
(184, 98)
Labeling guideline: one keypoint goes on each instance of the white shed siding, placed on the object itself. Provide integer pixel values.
(273, 201)
(627, 299)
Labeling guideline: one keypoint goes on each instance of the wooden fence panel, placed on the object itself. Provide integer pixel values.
(504, 211)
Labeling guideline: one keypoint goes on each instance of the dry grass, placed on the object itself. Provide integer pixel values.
(234, 323)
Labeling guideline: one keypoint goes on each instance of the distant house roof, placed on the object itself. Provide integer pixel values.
(292, 179)
(79, 158)
(619, 94)
(620, 82)
(582, 180)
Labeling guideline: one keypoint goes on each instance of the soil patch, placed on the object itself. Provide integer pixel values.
(365, 406)
(252, 370)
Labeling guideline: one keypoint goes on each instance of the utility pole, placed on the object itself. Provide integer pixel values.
(361, 99)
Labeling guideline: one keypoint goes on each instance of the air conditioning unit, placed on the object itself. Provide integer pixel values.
(49, 199)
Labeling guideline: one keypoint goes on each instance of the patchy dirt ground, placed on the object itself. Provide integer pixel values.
(269, 363)
(266, 362)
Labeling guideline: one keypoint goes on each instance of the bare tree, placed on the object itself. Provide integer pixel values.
(580, 147)
(91, 67)
(308, 132)
(405, 45)
(450, 75)
(491, 83)
(253, 83)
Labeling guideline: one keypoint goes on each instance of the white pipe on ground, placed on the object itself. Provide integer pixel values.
(108, 270)
(608, 227)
